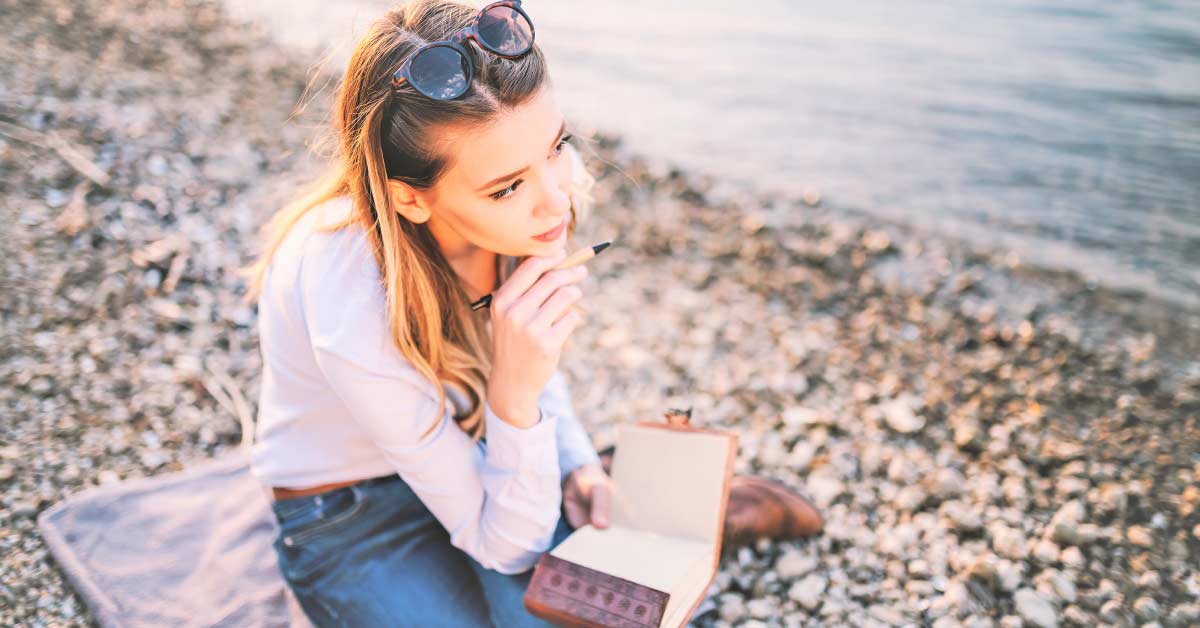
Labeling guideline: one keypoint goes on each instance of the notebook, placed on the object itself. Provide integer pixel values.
(654, 563)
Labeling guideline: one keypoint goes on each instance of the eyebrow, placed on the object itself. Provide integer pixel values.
(497, 180)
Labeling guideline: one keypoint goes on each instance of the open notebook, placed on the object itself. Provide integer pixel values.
(654, 563)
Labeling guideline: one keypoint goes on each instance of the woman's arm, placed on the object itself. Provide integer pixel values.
(499, 502)
(574, 445)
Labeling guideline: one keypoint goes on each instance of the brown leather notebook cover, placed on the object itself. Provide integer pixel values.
(654, 563)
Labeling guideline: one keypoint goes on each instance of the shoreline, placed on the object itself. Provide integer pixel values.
(941, 404)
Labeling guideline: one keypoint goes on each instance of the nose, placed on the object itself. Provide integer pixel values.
(556, 200)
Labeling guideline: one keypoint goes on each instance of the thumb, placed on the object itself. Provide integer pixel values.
(600, 505)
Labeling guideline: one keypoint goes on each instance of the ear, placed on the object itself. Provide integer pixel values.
(407, 202)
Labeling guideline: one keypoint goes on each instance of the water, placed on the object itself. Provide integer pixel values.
(1067, 133)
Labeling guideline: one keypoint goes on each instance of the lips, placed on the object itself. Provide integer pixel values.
(553, 233)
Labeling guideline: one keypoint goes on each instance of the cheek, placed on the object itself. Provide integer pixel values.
(497, 223)
(565, 171)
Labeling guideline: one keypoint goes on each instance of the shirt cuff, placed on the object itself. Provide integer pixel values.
(512, 447)
(574, 448)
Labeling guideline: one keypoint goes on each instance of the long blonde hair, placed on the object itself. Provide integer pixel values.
(381, 135)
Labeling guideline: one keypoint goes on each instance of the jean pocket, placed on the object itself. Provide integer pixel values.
(326, 511)
(304, 529)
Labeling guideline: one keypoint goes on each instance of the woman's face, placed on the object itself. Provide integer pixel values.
(505, 184)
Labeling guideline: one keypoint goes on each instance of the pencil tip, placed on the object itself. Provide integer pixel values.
(601, 246)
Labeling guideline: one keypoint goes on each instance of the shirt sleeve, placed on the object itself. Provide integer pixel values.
(499, 500)
(574, 446)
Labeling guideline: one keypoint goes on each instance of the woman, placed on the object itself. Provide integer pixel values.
(453, 179)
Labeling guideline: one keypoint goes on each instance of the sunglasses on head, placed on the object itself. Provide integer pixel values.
(442, 70)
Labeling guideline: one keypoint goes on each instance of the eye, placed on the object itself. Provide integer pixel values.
(502, 194)
(563, 142)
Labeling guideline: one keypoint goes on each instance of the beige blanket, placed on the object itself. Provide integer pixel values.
(189, 548)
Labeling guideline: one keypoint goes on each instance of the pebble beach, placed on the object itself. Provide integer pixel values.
(991, 444)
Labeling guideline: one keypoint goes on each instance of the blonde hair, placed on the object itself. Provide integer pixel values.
(381, 135)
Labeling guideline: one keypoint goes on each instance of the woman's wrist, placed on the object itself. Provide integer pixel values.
(516, 414)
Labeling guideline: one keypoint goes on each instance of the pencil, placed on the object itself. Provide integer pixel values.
(574, 259)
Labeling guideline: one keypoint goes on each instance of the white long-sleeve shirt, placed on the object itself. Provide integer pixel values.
(339, 402)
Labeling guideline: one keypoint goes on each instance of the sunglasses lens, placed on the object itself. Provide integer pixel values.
(506, 31)
(439, 72)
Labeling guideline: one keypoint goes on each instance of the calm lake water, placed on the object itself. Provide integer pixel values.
(1068, 132)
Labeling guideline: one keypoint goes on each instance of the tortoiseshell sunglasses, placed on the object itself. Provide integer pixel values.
(442, 70)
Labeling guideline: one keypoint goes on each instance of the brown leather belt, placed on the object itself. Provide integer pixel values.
(287, 493)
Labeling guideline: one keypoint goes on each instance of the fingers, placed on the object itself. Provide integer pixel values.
(600, 502)
(563, 327)
(522, 278)
(576, 514)
(546, 286)
(575, 509)
(556, 306)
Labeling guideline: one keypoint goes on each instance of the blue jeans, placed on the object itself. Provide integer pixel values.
(371, 554)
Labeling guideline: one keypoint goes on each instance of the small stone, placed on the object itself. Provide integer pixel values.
(1140, 535)
(1009, 542)
(1112, 613)
(919, 568)
(824, 489)
(1034, 609)
(793, 564)
(732, 607)
(1075, 616)
(1071, 486)
(1111, 498)
(1184, 614)
(1088, 533)
(165, 308)
(1150, 580)
(24, 508)
(801, 456)
(1015, 491)
(910, 498)
(968, 435)
(798, 416)
(888, 615)
(1072, 558)
(808, 591)
(947, 483)
(108, 476)
(1046, 552)
(1063, 586)
(898, 414)
(1064, 525)
(763, 608)
(1146, 607)
(1009, 575)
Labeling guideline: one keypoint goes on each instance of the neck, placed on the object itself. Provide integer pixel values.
(475, 266)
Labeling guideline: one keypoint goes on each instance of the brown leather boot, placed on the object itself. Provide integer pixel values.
(758, 507)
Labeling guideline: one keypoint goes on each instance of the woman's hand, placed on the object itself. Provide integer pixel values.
(531, 320)
(586, 493)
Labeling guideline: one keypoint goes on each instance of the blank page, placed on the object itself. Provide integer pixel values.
(649, 559)
(669, 482)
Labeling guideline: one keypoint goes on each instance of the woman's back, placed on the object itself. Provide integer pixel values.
(304, 434)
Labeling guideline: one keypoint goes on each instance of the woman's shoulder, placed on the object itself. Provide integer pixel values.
(335, 255)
